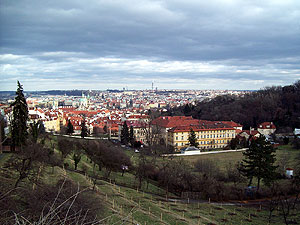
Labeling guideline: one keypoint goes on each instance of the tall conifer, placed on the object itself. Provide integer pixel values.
(259, 162)
(19, 126)
(70, 128)
(84, 131)
(193, 138)
(131, 136)
(125, 134)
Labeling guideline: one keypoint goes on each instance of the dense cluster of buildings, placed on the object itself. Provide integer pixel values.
(106, 112)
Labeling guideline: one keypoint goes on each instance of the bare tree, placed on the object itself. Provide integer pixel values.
(65, 146)
(29, 161)
(64, 203)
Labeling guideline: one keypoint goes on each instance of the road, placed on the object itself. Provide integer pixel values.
(88, 138)
(206, 153)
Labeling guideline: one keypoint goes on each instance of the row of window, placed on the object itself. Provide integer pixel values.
(139, 132)
(209, 132)
(210, 136)
(208, 142)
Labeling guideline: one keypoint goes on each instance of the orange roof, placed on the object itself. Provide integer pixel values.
(203, 127)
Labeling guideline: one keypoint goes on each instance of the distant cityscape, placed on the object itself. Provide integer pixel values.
(103, 109)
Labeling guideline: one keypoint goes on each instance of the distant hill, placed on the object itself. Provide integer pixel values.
(51, 92)
(278, 104)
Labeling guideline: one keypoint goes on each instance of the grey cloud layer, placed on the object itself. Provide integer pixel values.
(243, 44)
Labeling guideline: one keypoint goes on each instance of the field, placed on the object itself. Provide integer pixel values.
(284, 154)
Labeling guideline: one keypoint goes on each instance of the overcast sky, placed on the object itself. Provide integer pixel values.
(182, 44)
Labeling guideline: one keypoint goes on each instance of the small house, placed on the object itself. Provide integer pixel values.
(289, 172)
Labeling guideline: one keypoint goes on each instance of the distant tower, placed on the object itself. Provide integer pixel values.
(152, 85)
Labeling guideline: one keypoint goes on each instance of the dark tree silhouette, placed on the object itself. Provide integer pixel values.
(124, 134)
(64, 146)
(131, 136)
(193, 138)
(76, 158)
(70, 128)
(84, 131)
(20, 117)
(259, 162)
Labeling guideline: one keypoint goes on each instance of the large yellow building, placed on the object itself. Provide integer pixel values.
(209, 136)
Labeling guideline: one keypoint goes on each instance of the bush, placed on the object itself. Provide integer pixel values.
(63, 203)
(296, 143)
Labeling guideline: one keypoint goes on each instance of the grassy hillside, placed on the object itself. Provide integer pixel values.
(122, 203)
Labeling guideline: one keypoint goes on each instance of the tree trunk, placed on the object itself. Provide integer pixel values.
(258, 183)
(167, 192)
(250, 181)
(18, 181)
(140, 182)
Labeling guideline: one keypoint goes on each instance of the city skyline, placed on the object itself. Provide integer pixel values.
(99, 45)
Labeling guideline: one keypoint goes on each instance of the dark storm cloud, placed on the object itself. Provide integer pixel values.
(239, 44)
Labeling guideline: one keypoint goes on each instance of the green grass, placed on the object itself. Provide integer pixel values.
(284, 153)
(287, 155)
(222, 159)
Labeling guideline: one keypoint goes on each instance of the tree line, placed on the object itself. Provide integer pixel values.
(278, 104)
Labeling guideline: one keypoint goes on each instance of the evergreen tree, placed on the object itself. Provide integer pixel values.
(124, 134)
(193, 138)
(70, 128)
(187, 110)
(131, 136)
(2, 126)
(105, 129)
(259, 162)
(41, 127)
(20, 117)
(84, 131)
(76, 158)
(2, 133)
(34, 131)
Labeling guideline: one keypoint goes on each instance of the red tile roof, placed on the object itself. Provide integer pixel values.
(267, 125)
(173, 121)
(204, 125)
